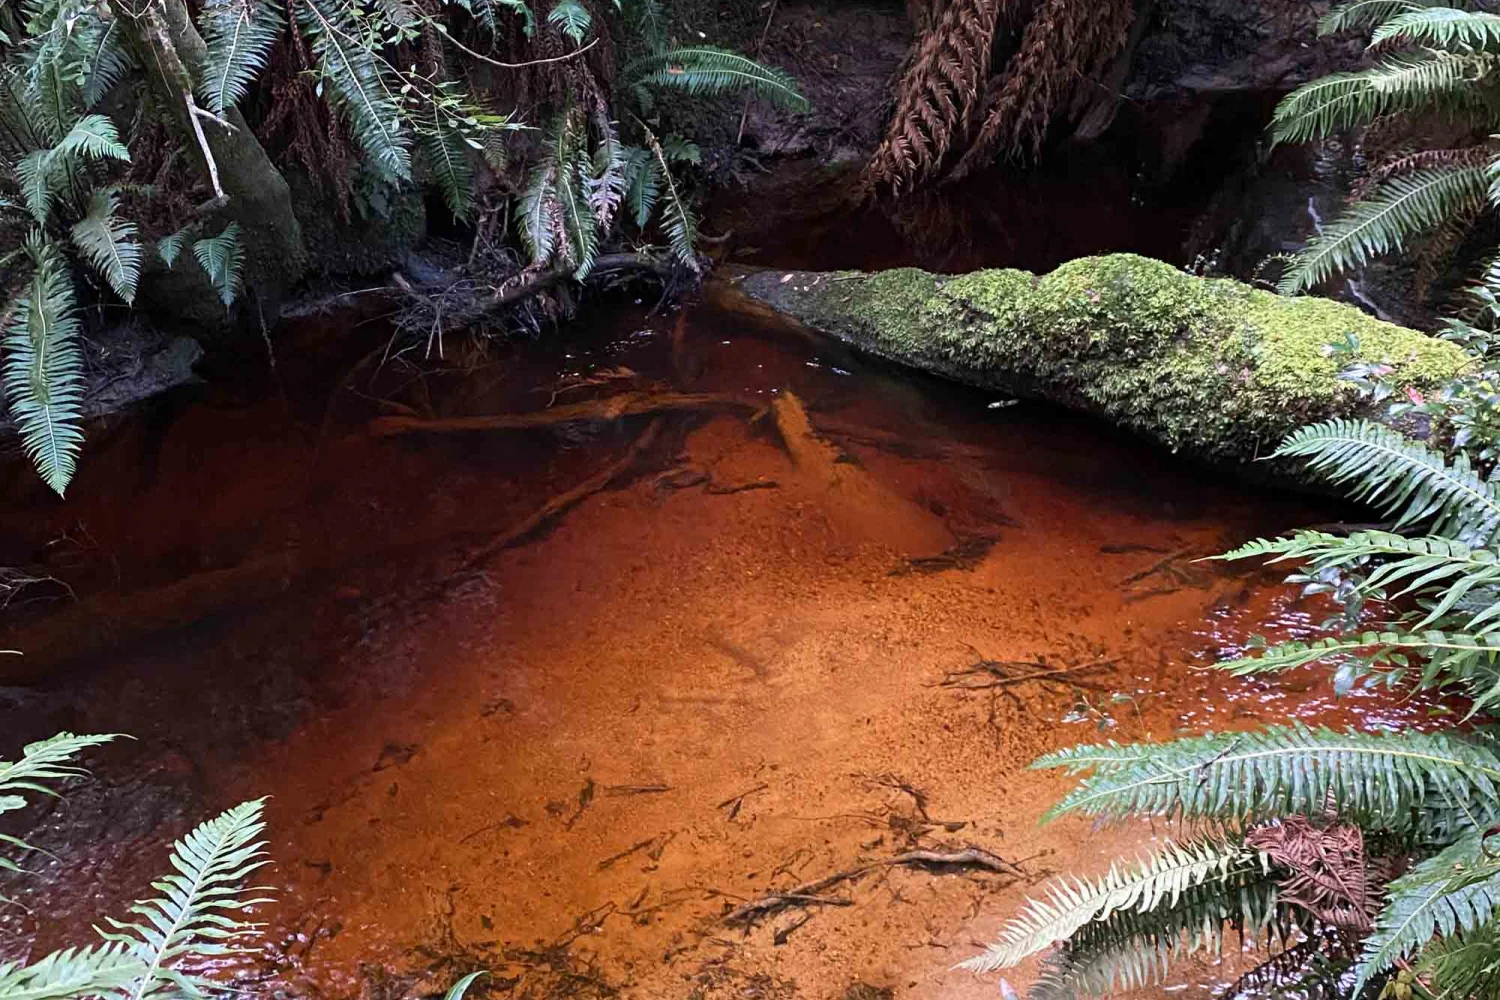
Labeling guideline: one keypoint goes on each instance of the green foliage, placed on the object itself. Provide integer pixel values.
(108, 243)
(222, 258)
(706, 70)
(239, 35)
(572, 18)
(1437, 62)
(41, 766)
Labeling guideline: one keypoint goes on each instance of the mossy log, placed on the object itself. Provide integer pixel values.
(1207, 366)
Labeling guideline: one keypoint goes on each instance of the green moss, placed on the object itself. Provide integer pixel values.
(1210, 366)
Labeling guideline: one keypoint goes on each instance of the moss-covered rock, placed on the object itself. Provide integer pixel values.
(1208, 366)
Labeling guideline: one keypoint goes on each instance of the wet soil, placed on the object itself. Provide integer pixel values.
(758, 658)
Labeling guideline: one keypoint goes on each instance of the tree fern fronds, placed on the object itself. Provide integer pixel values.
(1402, 477)
(169, 247)
(1441, 27)
(239, 35)
(1403, 207)
(1367, 13)
(642, 184)
(221, 257)
(199, 911)
(109, 244)
(677, 217)
(447, 155)
(1070, 903)
(705, 69)
(1343, 100)
(1378, 780)
(42, 371)
(108, 970)
(352, 73)
(108, 59)
(1456, 890)
(572, 18)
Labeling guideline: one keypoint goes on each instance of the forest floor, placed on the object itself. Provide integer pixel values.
(758, 659)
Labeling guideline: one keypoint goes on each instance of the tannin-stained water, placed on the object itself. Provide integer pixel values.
(733, 671)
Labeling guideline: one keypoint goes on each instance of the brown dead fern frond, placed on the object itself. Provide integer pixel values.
(1425, 159)
(1329, 876)
(938, 95)
(1066, 46)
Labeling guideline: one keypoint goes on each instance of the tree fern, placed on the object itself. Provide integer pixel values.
(221, 258)
(1387, 220)
(353, 74)
(239, 35)
(1456, 890)
(1382, 467)
(200, 911)
(108, 243)
(42, 370)
(704, 69)
(1069, 904)
(1378, 780)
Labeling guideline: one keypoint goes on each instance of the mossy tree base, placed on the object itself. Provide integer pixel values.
(1207, 366)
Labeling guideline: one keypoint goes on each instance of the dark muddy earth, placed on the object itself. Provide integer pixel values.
(810, 617)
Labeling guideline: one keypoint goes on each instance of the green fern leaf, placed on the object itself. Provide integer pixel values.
(1363, 14)
(169, 247)
(1399, 476)
(580, 228)
(537, 214)
(704, 69)
(358, 87)
(108, 59)
(1463, 964)
(447, 155)
(92, 137)
(42, 370)
(1381, 780)
(607, 178)
(572, 18)
(40, 180)
(109, 245)
(105, 971)
(199, 914)
(677, 217)
(1456, 890)
(221, 257)
(1069, 904)
(1443, 27)
(642, 184)
(239, 35)
(1386, 221)
(462, 986)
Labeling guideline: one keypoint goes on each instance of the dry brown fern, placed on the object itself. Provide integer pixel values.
(940, 90)
(1328, 874)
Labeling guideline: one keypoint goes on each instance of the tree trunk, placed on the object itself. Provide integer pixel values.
(254, 193)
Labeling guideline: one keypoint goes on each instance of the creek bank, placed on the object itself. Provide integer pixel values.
(1208, 367)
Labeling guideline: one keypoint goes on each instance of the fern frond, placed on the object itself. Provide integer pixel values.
(1463, 964)
(677, 216)
(42, 370)
(1380, 780)
(199, 912)
(1433, 79)
(1384, 222)
(353, 75)
(607, 179)
(239, 35)
(108, 970)
(1399, 476)
(109, 244)
(580, 228)
(642, 184)
(447, 155)
(40, 181)
(48, 760)
(221, 258)
(169, 247)
(1442, 27)
(462, 986)
(1456, 890)
(572, 18)
(1367, 13)
(92, 137)
(705, 69)
(537, 214)
(108, 58)
(1070, 903)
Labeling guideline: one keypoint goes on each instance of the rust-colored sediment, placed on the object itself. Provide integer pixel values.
(686, 695)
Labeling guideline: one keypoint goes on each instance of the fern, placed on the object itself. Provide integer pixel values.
(1456, 890)
(239, 35)
(353, 74)
(108, 243)
(92, 137)
(1386, 221)
(108, 59)
(706, 70)
(221, 258)
(1381, 781)
(1367, 13)
(42, 370)
(169, 247)
(199, 912)
(447, 155)
(1399, 476)
(677, 216)
(1465, 964)
(1070, 904)
(462, 986)
(109, 970)
(571, 18)
(642, 184)
(41, 764)
(1440, 27)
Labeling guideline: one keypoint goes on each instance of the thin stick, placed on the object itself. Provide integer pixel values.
(609, 408)
(208, 157)
(521, 65)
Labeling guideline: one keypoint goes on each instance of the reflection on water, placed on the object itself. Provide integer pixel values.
(720, 676)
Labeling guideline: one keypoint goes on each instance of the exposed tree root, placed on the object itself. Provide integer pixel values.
(813, 893)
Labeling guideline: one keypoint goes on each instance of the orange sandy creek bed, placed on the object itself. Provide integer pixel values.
(567, 764)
